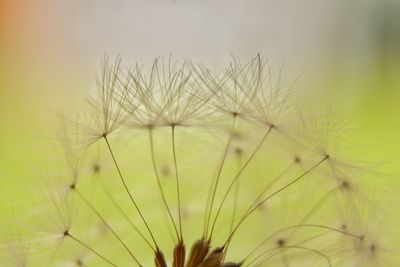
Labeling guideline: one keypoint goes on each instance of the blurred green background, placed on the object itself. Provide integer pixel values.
(50, 52)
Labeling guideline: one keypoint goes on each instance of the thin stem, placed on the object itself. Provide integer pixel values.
(177, 181)
(107, 225)
(221, 165)
(299, 226)
(235, 202)
(244, 217)
(281, 249)
(258, 198)
(236, 196)
(276, 248)
(238, 176)
(129, 193)
(263, 254)
(153, 159)
(266, 188)
(323, 255)
(114, 202)
(315, 208)
(284, 258)
(89, 248)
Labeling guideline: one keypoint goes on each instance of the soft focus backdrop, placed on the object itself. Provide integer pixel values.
(50, 52)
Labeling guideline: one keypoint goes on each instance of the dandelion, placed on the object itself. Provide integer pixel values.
(234, 165)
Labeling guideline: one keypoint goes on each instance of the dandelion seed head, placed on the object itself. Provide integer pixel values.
(182, 165)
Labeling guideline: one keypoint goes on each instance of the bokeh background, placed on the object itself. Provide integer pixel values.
(50, 51)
